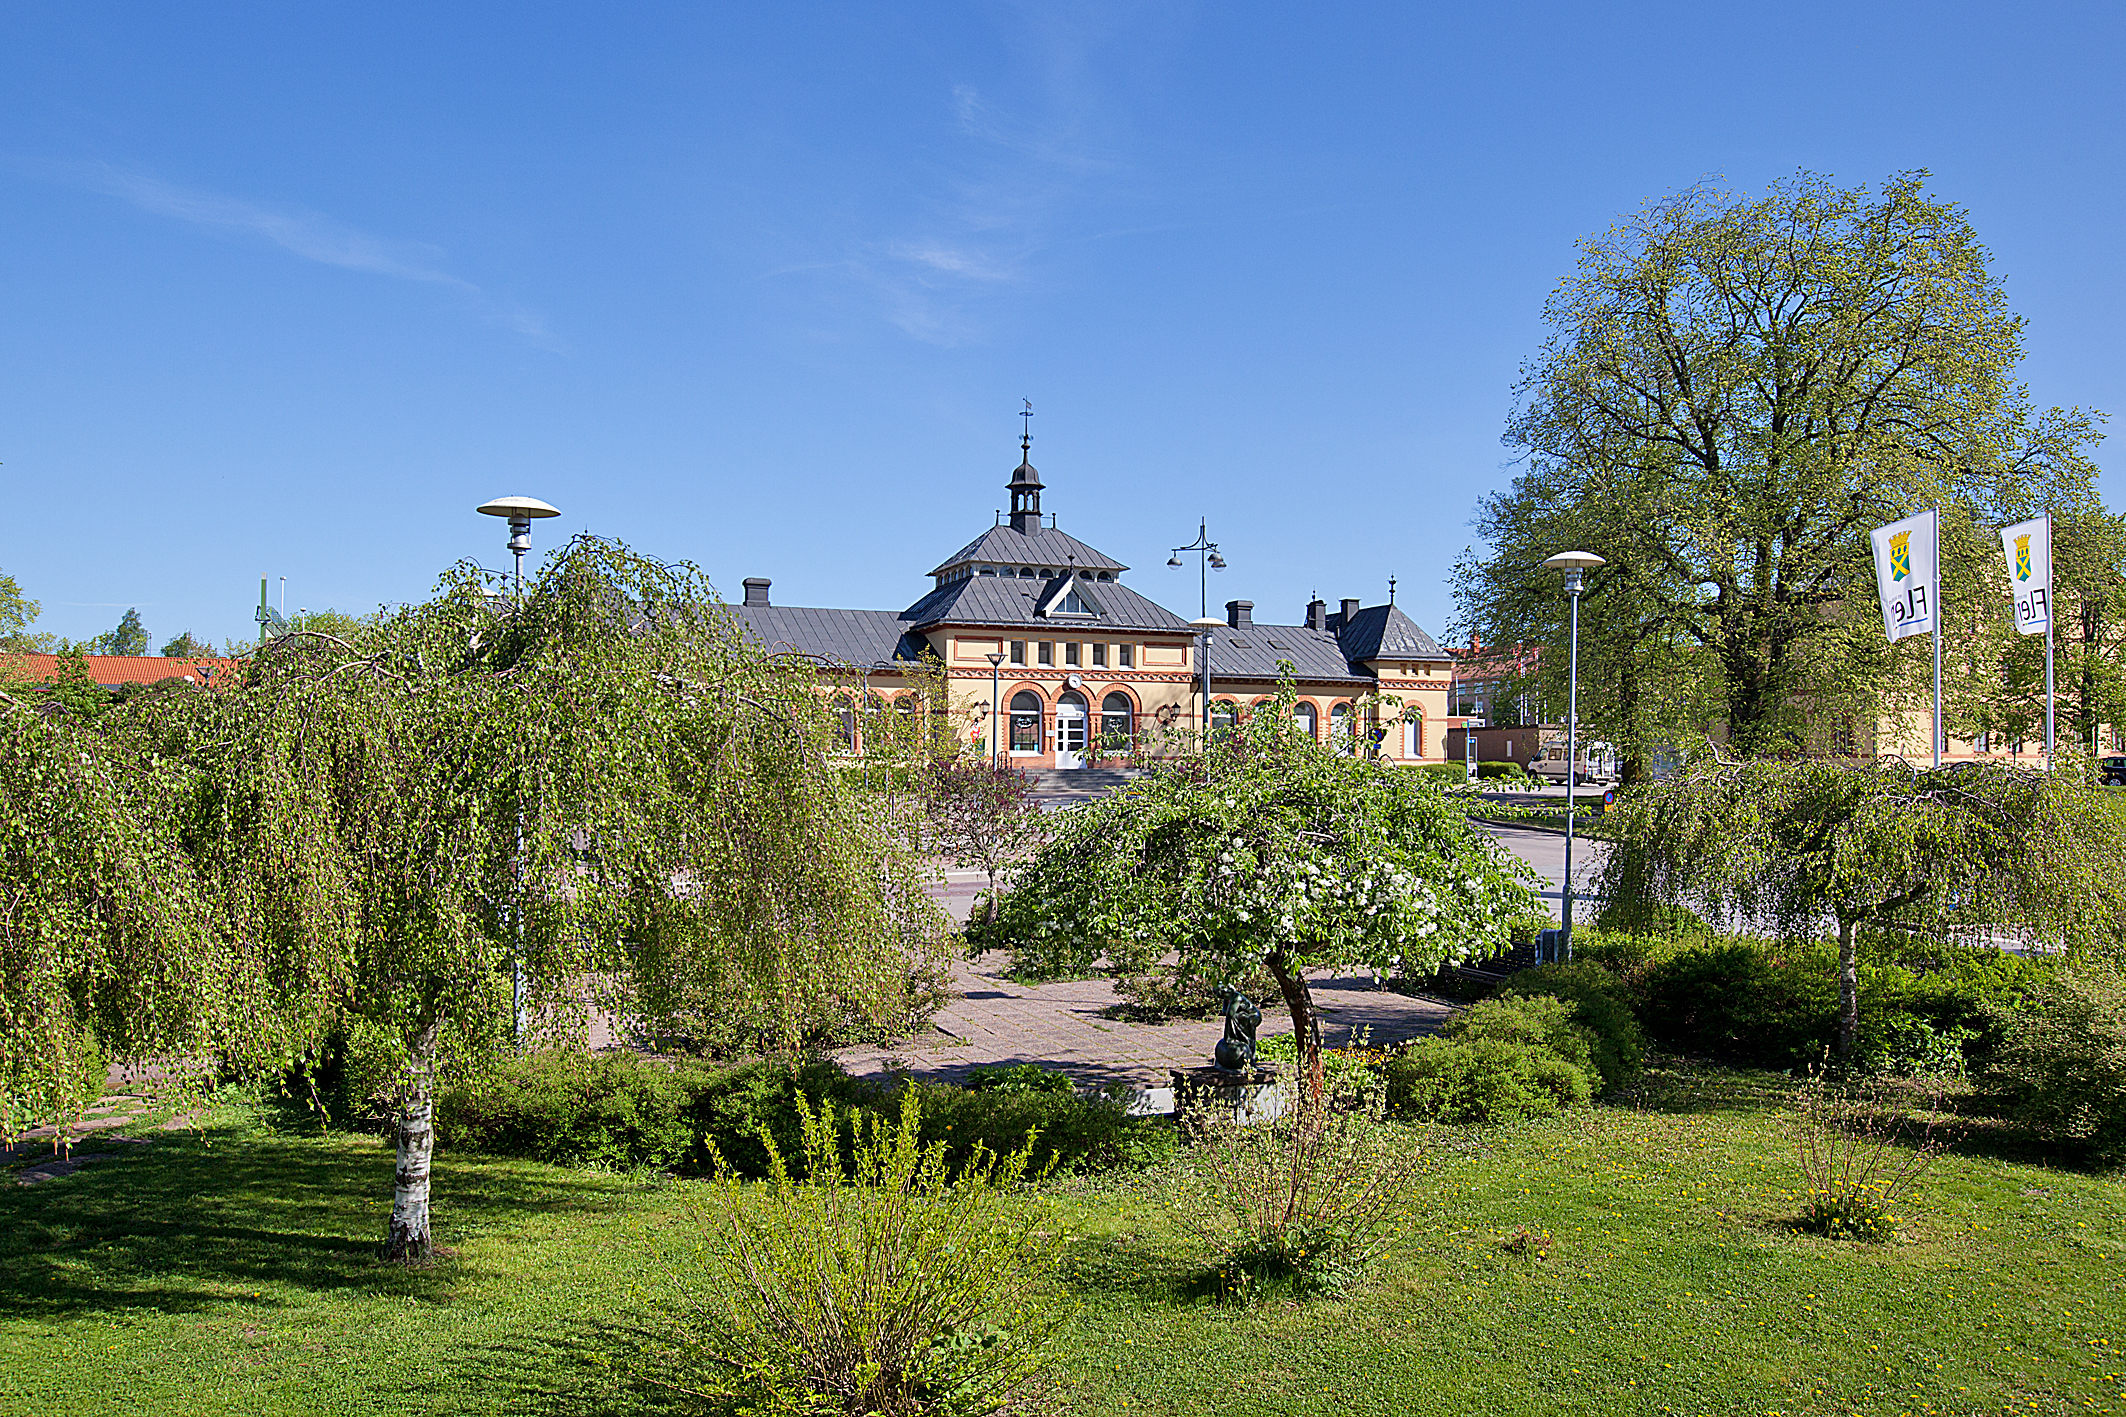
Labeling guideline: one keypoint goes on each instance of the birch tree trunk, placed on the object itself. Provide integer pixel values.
(1848, 990)
(1306, 1028)
(416, 1144)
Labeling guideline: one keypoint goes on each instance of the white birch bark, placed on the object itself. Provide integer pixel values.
(416, 1144)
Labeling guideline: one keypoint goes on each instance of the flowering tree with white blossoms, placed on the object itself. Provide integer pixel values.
(1268, 848)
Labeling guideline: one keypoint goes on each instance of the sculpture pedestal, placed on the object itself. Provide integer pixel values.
(1216, 1094)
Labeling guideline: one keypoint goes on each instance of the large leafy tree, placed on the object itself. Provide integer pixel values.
(599, 785)
(1732, 392)
(1810, 847)
(1268, 849)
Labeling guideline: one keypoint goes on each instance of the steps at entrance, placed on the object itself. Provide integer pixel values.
(1080, 782)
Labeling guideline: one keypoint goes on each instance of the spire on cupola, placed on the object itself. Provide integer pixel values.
(1025, 484)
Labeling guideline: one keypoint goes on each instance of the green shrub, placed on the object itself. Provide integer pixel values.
(902, 1285)
(1443, 773)
(1482, 1080)
(621, 1109)
(1298, 1205)
(1070, 1133)
(1352, 1075)
(1505, 772)
(1017, 1077)
(2061, 1064)
(1617, 1044)
(1531, 1020)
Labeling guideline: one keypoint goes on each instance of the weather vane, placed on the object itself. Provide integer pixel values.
(1026, 430)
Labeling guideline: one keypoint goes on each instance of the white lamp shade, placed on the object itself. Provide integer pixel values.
(1574, 561)
(1208, 622)
(519, 507)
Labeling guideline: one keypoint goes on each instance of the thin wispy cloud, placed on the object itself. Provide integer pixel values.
(308, 234)
(1017, 178)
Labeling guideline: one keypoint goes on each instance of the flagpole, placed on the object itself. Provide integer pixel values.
(1937, 635)
(2052, 761)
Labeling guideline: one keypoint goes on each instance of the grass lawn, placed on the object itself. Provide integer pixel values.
(234, 1271)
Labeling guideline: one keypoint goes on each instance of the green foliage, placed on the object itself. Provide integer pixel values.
(621, 1110)
(1927, 1008)
(128, 637)
(72, 691)
(1616, 1043)
(1299, 1205)
(2061, 1065)
(1445, 773)
(184, 646)
(900, 1286)
(1269, 850)
(1811, 847)
(1177, 988)
(1732, 391)
(1483, 1079)
(1502, 772)
(17, 613)
(1853, 1215)
(1017, 1077)
(602, 782)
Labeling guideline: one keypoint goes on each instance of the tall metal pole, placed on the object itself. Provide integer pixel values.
(996, 666)
(1937, 636)
(1206, 683)
(2052, 762)
(1573, 582)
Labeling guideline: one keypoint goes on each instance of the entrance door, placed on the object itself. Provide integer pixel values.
(1070, 732)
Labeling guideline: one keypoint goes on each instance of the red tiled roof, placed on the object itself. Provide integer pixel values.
(111, 670)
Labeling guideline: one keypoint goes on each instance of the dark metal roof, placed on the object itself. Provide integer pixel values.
(1047, 547)
(1009, 600)
(858, 637)
(1383, 632)
(1252, 652)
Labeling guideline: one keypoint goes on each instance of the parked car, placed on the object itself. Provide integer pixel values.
(2112, 771)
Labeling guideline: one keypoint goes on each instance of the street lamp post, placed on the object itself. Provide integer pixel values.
(1209, 627)
(521, 512)
(996, 662)
(1575, 565)
(1210, 561)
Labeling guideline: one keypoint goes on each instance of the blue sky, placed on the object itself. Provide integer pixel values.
(288, 290)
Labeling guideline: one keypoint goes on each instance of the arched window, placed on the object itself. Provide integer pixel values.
(1115, 721)
(1414, 735)
(1340, 729)
(1026, 722)
(1224, 715)
(1304, 720)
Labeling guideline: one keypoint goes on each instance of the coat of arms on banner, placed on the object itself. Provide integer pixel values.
(1900, 555)
(2022, 557)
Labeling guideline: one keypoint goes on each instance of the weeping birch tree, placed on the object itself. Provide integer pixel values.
(600, 790)
(1812, 847)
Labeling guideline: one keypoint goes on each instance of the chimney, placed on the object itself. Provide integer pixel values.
(1350, 611)
(1240, 613)
(1317, 614)
(757, 590)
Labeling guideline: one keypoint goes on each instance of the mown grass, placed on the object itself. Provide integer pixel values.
(235, 1271)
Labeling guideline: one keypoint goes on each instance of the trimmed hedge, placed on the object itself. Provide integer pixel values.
(2061, 1064)
(618, 1110)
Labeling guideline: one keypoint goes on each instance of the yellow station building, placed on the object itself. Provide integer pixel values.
(1045, 656)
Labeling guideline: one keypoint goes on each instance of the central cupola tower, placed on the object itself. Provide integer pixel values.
(1025, 484)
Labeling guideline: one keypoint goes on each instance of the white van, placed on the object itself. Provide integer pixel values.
(1597, 765)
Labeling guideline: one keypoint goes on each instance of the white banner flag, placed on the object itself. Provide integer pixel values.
(1905, 574)
(2028, 547)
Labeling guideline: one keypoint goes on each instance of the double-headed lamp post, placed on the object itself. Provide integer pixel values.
(1575, 565)
(521, 511)
(996, 662)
